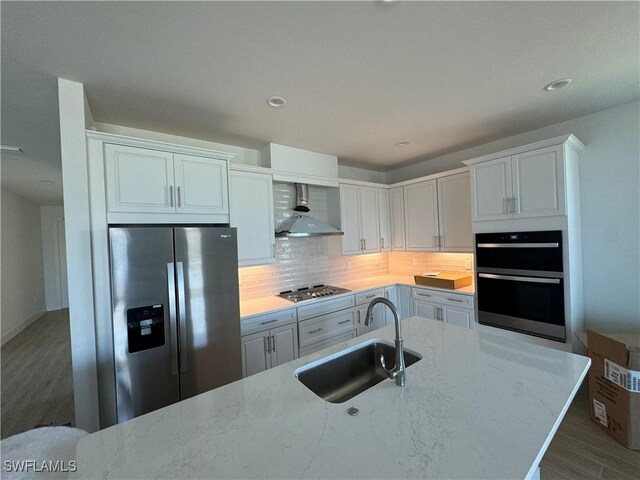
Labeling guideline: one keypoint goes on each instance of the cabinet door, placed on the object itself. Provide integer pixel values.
(255, 357)
(458, 316)
(284, 344)
(138, 180)
(405, 305)
(538, 183)
(385, 220)
(251, 207)
(396, 207)
(421, 216)
(350, 215)
(201, 185)
(490, 189)
(454, 213)
(378, 319)
(425, 309)
(369, 219)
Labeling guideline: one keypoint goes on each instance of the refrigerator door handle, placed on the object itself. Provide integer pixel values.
(173, 334)
(182, 318)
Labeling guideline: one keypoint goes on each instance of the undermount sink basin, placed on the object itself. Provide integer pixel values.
(345, 374)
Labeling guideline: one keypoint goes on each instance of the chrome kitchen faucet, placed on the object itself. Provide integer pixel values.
(397, 372)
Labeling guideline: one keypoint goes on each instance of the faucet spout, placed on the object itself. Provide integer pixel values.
(398, 371)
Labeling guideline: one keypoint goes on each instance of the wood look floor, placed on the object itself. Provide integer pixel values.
(36, 385)
(37, 389)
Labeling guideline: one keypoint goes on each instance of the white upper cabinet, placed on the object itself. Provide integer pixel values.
(253, 215)
(350, 219)
(421, 216)
(454, 213)
(369, 219)
(525, 182)
(147, 181)
(138, 180)
(201, 184)
(538, 183)
(396, 205)
(491, 187)
(359, 219)
(385, 220)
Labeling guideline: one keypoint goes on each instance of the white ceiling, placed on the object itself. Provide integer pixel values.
(358, 76)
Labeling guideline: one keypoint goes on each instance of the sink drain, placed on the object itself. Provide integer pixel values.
(353, 411)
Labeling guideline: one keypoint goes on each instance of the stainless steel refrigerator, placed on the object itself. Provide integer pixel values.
(176, 314)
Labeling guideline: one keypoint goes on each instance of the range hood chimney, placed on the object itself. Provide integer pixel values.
(304, 225)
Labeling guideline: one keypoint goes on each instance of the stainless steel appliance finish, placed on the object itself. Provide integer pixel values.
(309, 293)
(348, 374)
(176, 316)
(520, 282)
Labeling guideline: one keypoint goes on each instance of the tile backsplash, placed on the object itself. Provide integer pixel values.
(314, 260)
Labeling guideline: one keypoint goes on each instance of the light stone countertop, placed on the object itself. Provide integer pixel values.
(475, 406)
(274, 303)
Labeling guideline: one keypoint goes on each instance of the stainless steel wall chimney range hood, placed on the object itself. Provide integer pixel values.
(303, 225)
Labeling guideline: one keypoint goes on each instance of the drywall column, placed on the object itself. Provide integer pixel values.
(79, 267)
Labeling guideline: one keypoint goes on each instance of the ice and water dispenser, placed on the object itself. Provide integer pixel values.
(145, 328)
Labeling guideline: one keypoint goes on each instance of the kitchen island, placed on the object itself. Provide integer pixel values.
(475, 406)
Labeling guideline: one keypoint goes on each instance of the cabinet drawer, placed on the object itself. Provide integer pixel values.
(321, 308)
(318, 329)
(328, 342)
(424, 294)
(266, 321)
(462, 301)
(366, 297)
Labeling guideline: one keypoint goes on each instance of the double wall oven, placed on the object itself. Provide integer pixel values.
(520, 282)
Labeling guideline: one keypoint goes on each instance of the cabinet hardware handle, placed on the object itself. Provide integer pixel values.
(268, 343)
(371, 296)
(315, 331)
(381, 242)
(343, 322)
(516, 205)
(435, 240)
(359, 316)
(273, 348)
(266, 348)
(441, 241)
(273, 250)
(171, 195)
(269, 321)
(441, 314)
(422, 294)
(179, 201)
(505, 208)
(455, 300)
(365, 244)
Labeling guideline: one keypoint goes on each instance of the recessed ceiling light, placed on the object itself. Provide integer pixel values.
(276, 101)
(403, 143)
(557, 84)
(47, 181)
(10, 149)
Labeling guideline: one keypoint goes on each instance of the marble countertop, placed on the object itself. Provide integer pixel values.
(274, 303)
(475, 406)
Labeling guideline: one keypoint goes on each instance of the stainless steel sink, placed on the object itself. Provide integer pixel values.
(346, 374)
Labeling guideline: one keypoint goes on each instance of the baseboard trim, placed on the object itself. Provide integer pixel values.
(18, 328)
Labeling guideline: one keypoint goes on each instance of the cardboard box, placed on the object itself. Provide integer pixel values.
(614, 385)
(443, 280)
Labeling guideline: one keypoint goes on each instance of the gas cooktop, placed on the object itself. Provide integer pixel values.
(309, 293)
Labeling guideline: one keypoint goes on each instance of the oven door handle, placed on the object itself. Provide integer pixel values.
(519, 245)
(511, 278)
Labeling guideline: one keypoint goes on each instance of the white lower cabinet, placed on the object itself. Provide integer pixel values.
(404, 303)
(454, 309)
(269, 347)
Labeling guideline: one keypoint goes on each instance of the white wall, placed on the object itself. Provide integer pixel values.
(22, 272)
(610, 199)
(54, 258)
(73, 150)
